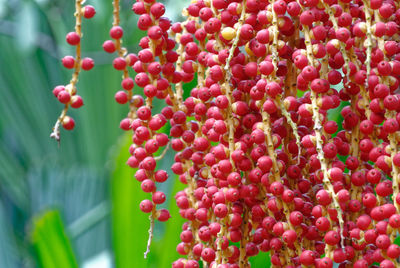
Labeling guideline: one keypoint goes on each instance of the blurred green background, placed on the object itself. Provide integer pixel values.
(77, 205)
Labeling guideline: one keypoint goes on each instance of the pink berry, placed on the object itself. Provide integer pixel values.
(68, 123)
(121, 97)
(73, 38)
(76, 101)
(146, 206)
(64, 97)
(68, 62)
(109, 46)
(116, 32)
(57, 90)
(119, 63)
(87, 64)
(89, 12)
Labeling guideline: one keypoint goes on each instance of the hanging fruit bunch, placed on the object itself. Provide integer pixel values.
(265, 168)
(67, 94)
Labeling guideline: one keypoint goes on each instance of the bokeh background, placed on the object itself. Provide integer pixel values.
(76, 205)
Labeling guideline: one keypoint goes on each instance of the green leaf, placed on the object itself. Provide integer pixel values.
(51, 243)
(9, 251)
(263, 259)
(397, 240)
(26, 27)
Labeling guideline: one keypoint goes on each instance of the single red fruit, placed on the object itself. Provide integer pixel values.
(87, 64)
(73, 38)
(68, 62)
(89, 12)
(68, 123)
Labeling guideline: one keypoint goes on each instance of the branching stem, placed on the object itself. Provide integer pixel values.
(151, 229)
(77, 67)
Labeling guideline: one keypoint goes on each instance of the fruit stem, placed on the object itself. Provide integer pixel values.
(161, 156)
(193, 225)
(55, 134)
(318, 134)
(292, 124)
(245, 228)
(151, 218)
(275, 60)
(276, 173)
(122, 52)
(238, 25)
(56, 129)
(368, 41)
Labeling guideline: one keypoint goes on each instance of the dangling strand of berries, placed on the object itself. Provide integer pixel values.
(121, 63)
(67, 94)
(149, 78)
